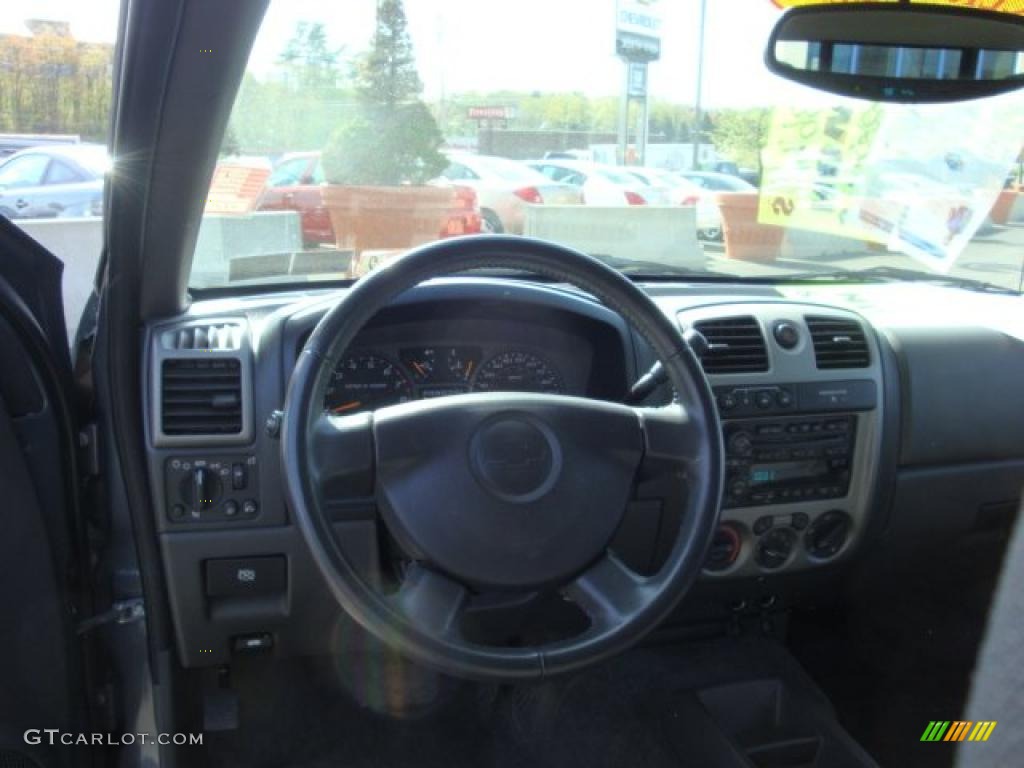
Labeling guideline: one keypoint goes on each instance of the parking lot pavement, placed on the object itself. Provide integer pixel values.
(995, 257)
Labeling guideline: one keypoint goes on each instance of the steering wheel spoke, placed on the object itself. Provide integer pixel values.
(609, 592)
(342, 456)
(670, 435)
(431, 600)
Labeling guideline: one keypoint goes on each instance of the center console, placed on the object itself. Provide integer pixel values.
(798, 393)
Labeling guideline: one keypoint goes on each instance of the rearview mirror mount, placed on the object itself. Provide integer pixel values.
(906, 52)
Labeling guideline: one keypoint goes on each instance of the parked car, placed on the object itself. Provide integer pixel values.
(505, 187)
(50, 181)
(295, 185)
(15, 142)
(718, 182)
(681, 191)
(599, 184)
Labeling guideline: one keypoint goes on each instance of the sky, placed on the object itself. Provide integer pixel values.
(523, 45)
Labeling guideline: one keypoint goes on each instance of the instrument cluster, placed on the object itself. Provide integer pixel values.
(367, 379)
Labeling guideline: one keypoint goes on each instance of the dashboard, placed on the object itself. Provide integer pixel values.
(830, 413)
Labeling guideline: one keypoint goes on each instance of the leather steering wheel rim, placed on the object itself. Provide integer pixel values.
(683, 440)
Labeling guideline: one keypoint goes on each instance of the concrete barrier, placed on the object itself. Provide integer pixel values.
(78, 243)
(225, 237)
(662, 235)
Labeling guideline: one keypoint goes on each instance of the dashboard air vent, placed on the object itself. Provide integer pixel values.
(838, 342)
(222, 336)
(201, 397)
(734, 345)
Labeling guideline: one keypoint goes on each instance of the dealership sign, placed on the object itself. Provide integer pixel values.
(638, 30)
(492, 113)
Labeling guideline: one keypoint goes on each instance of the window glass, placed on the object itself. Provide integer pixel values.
(23, 171)
(61, 173)
(56, 87)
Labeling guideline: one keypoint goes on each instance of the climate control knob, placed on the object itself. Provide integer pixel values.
(775, 547)
(828, 534)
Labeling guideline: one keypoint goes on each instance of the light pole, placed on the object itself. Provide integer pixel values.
(698, 116)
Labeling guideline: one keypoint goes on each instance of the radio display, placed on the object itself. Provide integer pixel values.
(786, 471)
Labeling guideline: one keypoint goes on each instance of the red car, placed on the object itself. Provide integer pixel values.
(295, 185)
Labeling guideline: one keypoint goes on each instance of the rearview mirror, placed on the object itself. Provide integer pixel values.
(899, 52)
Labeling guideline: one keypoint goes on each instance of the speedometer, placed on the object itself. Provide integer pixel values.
(518, 372)
(363, 381)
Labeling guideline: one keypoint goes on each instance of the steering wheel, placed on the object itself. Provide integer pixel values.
(504, 492)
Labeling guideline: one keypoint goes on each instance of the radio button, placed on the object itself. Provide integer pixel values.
(769, 429)
(738, 488)
(784, 398)
(727, 401)
(764, 399)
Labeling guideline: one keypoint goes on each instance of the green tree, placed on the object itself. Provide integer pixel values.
(740, 134)
(392, 138)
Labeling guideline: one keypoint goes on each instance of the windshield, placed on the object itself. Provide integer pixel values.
(368, 127)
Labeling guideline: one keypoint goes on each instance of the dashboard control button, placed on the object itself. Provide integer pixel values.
(239, 476)
(178, 511)
(250, 507)
(764, 399)
(727, 401)
(738, 489)
(238, 577)
(786, 334)
(784, 398)
(799, 521)
(230, 508)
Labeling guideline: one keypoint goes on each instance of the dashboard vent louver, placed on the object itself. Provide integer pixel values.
(734, 345)
(838, 342)
(201, 397)
(222, 336)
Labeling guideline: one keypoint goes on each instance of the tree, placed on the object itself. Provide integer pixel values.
(741, 134)
(392, 138)
(309, 59)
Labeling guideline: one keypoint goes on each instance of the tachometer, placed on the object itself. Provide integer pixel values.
(518, 371)
(363, 381)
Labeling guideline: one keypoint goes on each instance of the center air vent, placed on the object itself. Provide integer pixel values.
(201, 397)
(838, 343)
(734, 345)
(222, 336)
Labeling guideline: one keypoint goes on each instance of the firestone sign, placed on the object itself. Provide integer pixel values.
(638, 30)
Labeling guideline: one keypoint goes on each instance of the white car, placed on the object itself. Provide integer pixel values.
(681, 191)
(600, 184)
(504, 188)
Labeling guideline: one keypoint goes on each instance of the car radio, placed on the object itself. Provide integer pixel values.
(788, 460)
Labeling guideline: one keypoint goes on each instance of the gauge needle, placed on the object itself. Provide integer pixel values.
(346, 407)
(419, 369)
(469, 368)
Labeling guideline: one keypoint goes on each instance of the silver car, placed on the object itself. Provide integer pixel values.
(505, 188)
(50, 181)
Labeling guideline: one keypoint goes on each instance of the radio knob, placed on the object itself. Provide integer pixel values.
(740, 444)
